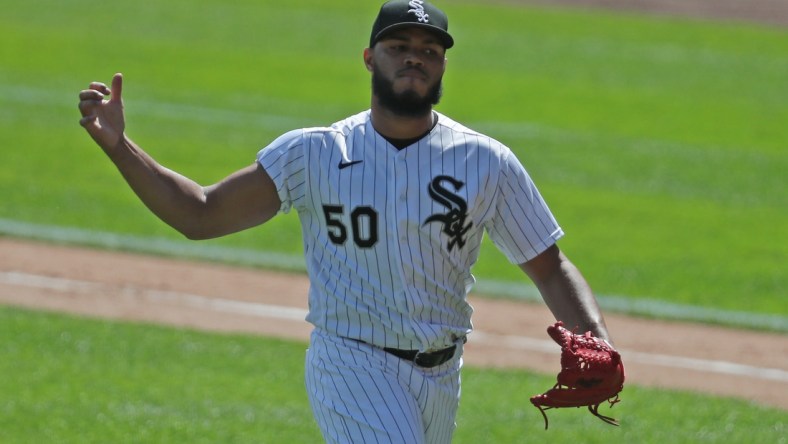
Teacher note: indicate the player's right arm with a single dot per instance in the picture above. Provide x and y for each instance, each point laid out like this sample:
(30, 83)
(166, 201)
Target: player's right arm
(242, 200)
(566, 292)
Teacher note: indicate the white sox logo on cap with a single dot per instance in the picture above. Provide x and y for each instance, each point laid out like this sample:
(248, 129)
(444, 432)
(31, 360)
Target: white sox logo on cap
(398, 14)
(417, 8)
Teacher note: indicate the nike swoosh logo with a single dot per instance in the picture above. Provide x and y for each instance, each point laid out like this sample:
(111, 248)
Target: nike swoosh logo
(343, 165)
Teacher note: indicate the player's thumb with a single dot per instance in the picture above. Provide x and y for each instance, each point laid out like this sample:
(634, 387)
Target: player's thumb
(117, 87)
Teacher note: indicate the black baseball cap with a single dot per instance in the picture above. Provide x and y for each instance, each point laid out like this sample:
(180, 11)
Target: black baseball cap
(397, 14)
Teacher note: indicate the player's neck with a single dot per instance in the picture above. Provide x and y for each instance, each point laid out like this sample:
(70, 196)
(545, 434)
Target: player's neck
(394, 126)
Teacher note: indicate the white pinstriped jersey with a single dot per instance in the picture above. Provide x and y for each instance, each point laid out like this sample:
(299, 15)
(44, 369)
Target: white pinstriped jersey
(390, 235)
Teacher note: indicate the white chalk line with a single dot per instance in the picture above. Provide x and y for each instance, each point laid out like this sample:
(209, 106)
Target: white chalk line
(207, 303)
(298, 314)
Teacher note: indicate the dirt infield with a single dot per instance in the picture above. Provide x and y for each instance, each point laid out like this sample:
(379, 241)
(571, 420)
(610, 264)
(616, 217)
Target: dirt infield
(720, 361)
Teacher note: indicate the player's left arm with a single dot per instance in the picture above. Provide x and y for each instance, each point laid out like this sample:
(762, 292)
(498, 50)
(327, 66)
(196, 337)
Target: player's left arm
(566, 292)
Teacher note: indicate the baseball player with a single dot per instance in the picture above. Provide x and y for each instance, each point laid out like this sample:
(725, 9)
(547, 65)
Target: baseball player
(393, 204)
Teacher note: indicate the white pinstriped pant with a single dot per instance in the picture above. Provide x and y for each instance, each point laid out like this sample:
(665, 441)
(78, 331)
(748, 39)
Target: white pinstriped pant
(361, 394)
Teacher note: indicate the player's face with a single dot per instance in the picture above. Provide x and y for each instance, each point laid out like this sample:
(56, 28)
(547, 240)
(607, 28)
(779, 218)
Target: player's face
(407, 70)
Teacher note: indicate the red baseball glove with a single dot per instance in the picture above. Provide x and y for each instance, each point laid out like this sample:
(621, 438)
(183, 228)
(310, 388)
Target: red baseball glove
(591, 373)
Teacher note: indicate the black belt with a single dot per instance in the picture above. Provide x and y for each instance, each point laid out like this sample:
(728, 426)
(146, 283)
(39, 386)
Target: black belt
(422, 359)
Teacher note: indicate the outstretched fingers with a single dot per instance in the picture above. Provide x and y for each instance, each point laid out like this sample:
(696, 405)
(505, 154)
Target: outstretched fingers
(92, 98)
(101, 108)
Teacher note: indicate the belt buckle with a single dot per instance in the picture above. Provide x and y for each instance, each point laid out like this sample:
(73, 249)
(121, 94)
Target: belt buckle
(434, 359)
(420, 360)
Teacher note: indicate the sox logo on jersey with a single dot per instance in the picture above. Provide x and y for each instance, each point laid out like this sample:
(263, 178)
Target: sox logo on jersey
(454, 220)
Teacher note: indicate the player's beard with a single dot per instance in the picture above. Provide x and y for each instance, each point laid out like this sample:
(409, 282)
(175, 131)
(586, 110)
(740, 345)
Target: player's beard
(407, 103)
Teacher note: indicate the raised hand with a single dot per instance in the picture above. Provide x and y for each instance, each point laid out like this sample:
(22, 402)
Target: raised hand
(103, 118)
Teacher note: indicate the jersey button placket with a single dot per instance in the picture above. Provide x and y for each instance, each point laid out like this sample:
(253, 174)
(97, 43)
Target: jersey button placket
(398, 184)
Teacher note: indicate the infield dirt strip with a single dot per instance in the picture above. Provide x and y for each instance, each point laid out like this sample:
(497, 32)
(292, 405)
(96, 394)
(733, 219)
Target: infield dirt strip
(744, 364)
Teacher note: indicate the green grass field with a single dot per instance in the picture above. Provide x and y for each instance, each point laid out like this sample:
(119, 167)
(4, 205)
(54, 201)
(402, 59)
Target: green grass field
(659, 143)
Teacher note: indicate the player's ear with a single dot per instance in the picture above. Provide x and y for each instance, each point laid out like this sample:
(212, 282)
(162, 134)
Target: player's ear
(368, 59)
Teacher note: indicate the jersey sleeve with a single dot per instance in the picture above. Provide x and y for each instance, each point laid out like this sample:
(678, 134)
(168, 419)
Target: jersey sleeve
(283, 160)
(522, 225)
